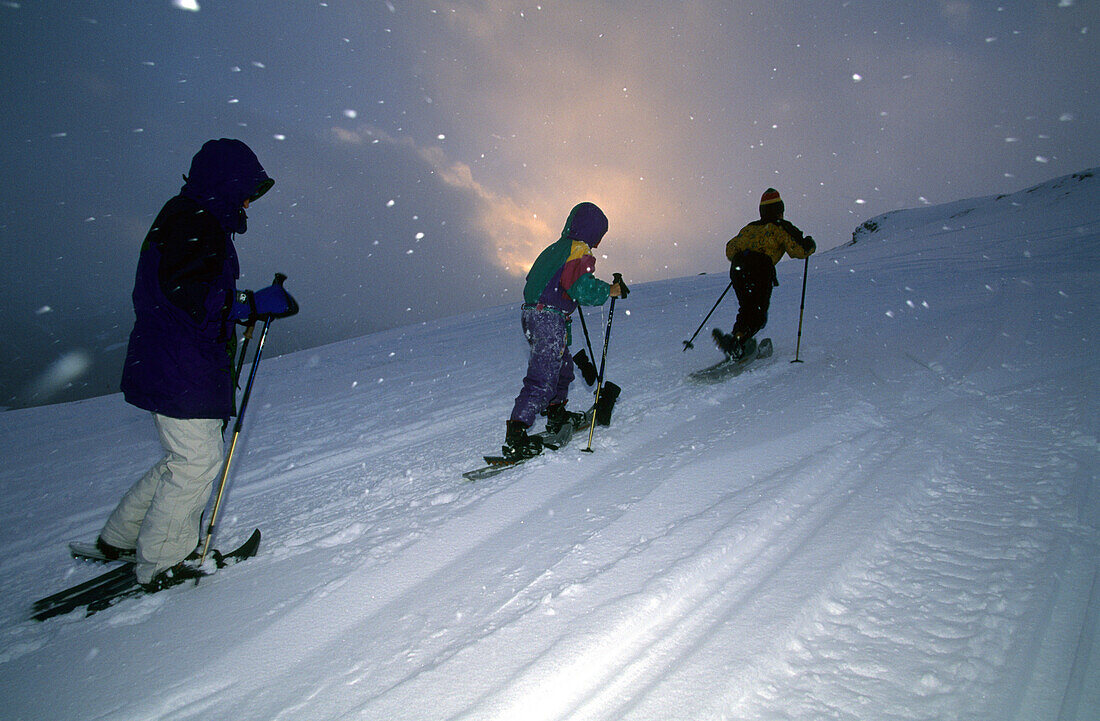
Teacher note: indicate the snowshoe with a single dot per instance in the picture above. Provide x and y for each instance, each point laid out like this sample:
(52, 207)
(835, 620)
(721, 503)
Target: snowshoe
(728, 366)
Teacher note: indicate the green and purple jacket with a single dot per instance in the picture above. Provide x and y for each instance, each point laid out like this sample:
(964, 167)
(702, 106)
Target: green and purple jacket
(561, 277)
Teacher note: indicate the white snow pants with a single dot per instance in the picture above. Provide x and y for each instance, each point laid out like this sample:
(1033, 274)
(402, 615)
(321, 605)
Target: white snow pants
(161, 513)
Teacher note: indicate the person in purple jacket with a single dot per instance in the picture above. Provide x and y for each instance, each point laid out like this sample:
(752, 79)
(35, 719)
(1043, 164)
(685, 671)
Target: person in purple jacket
(180, 356)
(560, 279)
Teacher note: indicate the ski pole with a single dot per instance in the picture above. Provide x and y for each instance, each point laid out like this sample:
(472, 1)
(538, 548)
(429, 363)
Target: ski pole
(588, 340)
(687, 343)
(248, 331)
(279, 278)
(581, 359)
(801, 308)
(618, 278)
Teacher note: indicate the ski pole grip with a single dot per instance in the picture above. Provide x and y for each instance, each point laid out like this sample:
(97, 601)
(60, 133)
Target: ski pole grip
(618, 278)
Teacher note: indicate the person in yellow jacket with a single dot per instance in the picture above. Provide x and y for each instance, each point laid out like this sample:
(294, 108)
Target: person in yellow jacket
(753, 254)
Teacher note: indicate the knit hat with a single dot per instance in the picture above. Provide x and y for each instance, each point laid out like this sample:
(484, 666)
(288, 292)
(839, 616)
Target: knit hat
(771, 205)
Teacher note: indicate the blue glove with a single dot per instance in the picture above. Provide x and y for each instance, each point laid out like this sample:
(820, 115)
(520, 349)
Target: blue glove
(266, 303)
(243, 309)
(274, 302)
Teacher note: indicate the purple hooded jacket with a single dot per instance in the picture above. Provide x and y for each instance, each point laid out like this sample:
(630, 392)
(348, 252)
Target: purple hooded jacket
(561, 278)
(179, 360)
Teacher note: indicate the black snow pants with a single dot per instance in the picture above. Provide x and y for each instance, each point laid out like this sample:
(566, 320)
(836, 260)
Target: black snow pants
(753, 276)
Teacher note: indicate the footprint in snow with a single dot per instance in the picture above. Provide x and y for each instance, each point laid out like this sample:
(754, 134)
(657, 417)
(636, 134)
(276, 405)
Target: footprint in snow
(342, 537)
(442, 498)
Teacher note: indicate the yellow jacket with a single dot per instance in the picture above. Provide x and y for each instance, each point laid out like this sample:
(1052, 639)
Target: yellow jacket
(773, 239)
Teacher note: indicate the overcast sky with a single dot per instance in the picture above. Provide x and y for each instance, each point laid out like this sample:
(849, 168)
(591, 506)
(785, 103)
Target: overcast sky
(424, 152)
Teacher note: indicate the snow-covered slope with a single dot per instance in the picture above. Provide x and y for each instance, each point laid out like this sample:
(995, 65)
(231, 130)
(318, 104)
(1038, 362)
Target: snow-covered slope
(904, 526)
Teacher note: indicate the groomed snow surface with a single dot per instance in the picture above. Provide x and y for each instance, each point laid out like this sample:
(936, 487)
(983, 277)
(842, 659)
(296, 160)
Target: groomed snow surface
(904, 526)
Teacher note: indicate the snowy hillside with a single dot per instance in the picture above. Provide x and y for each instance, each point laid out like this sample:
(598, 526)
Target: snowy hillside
(904, 526)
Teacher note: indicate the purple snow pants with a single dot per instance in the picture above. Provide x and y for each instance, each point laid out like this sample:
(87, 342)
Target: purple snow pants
(550, 369)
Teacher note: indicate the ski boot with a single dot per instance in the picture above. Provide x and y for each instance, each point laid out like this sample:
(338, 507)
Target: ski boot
(177, 574)
(748, 349)
(728, 344)
(557, 417)
(735, 348)
(114, 553)
(518, 444)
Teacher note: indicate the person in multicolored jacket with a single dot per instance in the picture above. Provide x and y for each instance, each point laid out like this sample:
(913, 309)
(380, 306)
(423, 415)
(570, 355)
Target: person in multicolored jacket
(560, 279)
(179, 360)
(753, 253)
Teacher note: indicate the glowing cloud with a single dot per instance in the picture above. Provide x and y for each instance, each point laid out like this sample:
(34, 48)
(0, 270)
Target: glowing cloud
(513, 232)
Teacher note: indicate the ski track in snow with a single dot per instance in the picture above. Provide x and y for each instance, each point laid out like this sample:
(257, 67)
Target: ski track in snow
(902, 527)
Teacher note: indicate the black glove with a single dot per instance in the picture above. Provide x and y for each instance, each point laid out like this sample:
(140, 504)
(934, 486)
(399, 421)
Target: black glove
(617, 279)
(586, 367)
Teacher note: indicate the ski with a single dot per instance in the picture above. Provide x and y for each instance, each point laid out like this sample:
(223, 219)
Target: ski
(494, 465)
(91, 585)
(553, 441)
(119, 583)
(242, 552)
(728, 367)
(90, 552)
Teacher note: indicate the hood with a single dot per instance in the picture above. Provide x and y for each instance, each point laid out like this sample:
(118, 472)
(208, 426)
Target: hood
(586, 223)
(224, 174)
